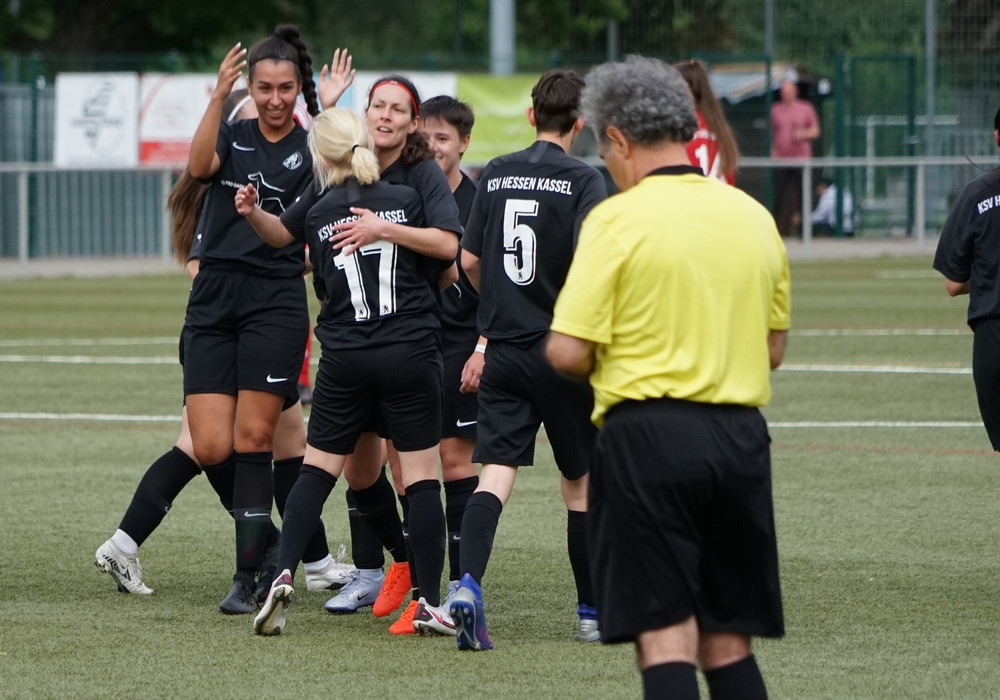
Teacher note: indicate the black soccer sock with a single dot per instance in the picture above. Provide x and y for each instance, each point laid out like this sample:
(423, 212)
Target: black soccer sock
(286, 471)
(366, 548)
(671, 681)
(157, 489)
(252, 497)
(222, 477)
(737, 681)
(404, 503)
(302, 511)
(579, 555)
(479, 527)
(456, 496)
(427, 537)
(377, 503)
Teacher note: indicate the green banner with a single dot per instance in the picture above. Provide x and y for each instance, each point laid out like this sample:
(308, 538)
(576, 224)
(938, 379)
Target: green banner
(501, 108)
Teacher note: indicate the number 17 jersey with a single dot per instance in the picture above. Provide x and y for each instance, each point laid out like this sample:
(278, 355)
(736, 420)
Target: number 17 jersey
(523, 227)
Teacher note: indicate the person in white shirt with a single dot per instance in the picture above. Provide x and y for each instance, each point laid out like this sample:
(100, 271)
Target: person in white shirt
(824, 216)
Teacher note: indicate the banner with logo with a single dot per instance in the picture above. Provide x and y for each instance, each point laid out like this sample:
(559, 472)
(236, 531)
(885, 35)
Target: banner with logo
(97, 120)
(169, 112)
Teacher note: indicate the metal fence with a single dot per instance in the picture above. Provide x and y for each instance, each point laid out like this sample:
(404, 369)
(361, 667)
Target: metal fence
(52, 212)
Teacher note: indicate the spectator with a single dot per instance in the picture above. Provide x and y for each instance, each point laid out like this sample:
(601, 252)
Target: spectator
(824, 216)
(794, 125)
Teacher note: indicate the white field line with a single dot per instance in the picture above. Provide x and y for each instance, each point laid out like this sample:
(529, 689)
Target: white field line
(85, 342)
(125, 418)
(875, 424)
(86, 360)
(879, 332)
(876, 369)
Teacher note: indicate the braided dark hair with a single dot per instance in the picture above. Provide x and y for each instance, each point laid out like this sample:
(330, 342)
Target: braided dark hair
(286, 45)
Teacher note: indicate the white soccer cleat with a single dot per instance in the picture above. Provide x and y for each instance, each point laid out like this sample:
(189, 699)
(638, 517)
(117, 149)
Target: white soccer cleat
(432, 620)
(333, 576)
(124, 569)
(273, 615)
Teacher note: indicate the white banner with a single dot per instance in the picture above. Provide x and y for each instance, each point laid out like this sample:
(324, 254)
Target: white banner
(171, 108)
(97, 120)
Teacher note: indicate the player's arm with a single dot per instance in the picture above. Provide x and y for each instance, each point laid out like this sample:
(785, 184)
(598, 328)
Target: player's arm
(448, 277)
(471, 264)
(267, 225)
(955, 288)
(369, 227)
(335, 78)
(571, 356)
(203, 161)
(776, 343)
(473, 368)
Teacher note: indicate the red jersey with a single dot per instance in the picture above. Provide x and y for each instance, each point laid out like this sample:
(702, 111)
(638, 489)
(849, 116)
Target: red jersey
(703, 152)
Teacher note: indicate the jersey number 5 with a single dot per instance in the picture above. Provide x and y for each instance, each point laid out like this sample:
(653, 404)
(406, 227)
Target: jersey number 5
(519, 241)
(351, 265)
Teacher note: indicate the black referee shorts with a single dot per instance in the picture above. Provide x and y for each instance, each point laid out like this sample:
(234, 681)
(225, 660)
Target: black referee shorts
(244, 332)
(460, 410)
(519, 390)
(681, 520)
(986, 375)
(396, 386)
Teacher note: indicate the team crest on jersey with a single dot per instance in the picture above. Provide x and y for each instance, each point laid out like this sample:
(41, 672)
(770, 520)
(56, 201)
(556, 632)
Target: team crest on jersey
(293, 161)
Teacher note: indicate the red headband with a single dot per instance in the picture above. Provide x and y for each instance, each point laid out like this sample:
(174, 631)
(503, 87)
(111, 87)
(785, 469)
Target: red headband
(389, 81)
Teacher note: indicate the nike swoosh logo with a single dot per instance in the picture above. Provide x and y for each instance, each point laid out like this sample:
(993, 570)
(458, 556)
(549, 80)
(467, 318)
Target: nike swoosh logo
(243, 148)
(248, 514)
(274, 380)
(463, 423)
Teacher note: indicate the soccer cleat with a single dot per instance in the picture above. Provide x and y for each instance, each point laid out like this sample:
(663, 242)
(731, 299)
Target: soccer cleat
(467, 614)
(268, 567)
(124, 569)
(240, 600)
(270, 621)
(333, 576)
(404, 625)
(356, 594)
(394, 589)
(587, 630)
(450, 595)
(430, 620)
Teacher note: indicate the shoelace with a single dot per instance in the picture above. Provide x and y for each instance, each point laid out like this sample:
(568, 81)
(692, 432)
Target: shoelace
(341, 553)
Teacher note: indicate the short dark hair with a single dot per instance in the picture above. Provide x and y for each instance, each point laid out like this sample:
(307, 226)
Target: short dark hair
(556, 100)
(450, 110)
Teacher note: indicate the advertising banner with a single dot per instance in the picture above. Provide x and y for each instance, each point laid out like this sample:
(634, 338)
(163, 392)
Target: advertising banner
(97, 117)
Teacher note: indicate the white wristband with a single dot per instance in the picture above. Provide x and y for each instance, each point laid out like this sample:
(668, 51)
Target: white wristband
(481, 347)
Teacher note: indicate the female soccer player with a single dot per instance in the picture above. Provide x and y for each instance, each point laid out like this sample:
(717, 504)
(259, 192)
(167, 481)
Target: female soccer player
(392, 116)
(247, 316)
(713, 148)
(381, 358)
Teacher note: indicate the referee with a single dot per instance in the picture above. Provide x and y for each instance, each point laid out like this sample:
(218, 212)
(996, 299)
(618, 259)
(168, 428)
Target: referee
(677, 307)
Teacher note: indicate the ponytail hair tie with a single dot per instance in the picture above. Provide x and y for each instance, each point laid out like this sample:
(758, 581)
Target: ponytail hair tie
(354, 147)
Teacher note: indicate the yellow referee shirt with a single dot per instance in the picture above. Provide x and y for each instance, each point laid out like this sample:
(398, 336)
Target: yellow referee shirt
(678, 280)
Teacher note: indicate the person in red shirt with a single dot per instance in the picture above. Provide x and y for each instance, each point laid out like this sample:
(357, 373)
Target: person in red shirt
(794, 126)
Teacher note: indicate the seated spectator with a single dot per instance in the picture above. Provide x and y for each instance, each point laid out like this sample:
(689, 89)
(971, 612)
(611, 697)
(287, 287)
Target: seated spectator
(824, 216)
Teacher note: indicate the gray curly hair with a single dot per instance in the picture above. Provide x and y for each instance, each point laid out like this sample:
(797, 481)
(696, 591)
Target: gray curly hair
(645, 98)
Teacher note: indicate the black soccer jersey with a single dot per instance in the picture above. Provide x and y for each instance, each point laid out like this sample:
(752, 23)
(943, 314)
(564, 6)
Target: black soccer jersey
(379, 293)
(280, 172)
(969, 247)
(523, 227)
(460, 302)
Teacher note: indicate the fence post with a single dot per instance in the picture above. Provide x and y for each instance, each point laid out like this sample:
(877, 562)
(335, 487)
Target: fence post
(165, 223)
(807, 187)
(921, 214)
(22, 217)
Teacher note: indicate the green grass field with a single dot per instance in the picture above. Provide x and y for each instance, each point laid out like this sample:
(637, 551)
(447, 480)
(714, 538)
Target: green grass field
(885, 490)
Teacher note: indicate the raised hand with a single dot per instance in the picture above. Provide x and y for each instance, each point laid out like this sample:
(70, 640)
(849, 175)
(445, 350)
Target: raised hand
(230, 70)
(335, 78)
